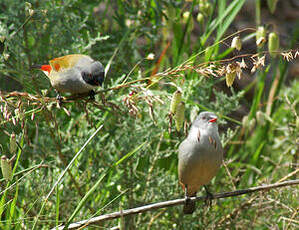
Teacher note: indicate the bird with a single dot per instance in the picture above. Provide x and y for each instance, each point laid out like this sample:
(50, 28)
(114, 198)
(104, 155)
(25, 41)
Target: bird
(74, 73)
(200, 156)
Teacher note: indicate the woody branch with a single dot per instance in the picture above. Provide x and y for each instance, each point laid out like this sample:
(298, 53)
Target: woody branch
(99, 219)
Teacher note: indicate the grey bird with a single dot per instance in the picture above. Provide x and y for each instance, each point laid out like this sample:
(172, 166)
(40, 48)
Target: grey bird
(200, 157)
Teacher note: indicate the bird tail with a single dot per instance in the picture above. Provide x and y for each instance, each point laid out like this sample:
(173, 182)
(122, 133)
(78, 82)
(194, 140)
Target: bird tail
(189, 206)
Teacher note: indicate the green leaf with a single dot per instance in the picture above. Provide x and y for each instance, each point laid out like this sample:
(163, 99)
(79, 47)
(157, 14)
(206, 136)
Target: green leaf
(224, 20)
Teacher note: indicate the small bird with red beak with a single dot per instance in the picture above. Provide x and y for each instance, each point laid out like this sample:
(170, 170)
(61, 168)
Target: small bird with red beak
(75, 74)
(200, 157)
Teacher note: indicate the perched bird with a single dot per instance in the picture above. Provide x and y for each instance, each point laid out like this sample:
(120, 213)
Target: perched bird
(200, 157)
(75, 74)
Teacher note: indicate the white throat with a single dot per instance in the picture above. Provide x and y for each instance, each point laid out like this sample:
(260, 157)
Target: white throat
(209, 130)
(46, 72)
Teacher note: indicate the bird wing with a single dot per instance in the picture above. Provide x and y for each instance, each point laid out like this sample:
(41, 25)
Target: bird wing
(94, 75)
(64, 62)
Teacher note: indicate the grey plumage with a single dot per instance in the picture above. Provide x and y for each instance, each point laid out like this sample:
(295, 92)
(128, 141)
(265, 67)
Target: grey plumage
(95, 75)
(200, 156)
(85, 75)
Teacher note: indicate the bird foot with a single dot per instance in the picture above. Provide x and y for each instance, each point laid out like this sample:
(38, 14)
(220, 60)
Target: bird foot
(59, 99)
(92, 95)
(208, 200)
(209, 197)
(187, 199)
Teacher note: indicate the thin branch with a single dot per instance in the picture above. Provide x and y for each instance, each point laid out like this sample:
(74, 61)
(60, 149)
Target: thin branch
(99, 219)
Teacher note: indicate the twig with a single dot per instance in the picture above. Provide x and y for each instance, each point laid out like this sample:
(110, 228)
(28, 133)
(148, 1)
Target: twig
(229, 175)
(289, 175)
(291, 219)
(170, 203)
(236, 211)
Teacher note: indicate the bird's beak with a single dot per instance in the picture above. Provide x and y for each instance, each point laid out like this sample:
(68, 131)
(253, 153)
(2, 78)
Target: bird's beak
(213, 119)
(36, 67)
(45, 68)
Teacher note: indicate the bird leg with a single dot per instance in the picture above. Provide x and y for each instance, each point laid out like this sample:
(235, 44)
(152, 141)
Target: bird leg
(189, 205)
(91, 94)
(187, 198)
(209, 196)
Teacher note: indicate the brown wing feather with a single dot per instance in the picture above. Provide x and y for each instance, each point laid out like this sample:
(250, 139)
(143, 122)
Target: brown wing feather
(213, 142)
(198, 135)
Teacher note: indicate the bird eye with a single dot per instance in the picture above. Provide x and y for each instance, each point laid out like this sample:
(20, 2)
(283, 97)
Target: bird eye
(204, 118)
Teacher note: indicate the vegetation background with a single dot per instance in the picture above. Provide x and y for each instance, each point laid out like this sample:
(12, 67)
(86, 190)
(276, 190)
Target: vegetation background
(126, 145)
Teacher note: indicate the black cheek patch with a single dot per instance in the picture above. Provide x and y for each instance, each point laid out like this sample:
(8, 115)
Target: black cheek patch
(93, 79)
(100, 78)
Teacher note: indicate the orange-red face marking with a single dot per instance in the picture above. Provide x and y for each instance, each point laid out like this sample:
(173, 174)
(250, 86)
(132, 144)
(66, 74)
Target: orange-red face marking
(57, 66)
(46, 68)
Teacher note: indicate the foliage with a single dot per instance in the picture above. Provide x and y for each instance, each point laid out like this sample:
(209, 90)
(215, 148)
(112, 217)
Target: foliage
(131, 159)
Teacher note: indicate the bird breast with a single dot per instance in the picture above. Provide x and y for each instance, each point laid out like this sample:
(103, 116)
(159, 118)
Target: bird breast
(199, 160)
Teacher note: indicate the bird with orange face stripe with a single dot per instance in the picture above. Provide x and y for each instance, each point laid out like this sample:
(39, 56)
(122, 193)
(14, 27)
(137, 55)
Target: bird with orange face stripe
(75, 74)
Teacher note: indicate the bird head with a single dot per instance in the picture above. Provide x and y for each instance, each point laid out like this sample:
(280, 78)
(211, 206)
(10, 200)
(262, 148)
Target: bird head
(63, 63)
(45, 68)
(205, 120)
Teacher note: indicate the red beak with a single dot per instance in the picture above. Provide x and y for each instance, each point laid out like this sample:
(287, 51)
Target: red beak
(213, 120)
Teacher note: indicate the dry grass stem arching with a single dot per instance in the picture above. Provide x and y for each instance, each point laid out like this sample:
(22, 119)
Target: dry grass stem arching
(226, 68)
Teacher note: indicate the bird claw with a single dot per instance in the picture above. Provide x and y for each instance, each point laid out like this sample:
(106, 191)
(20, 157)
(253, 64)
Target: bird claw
(209, 197)
(59, 99)
(208, 201)
(187, 199)
(92, 95)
